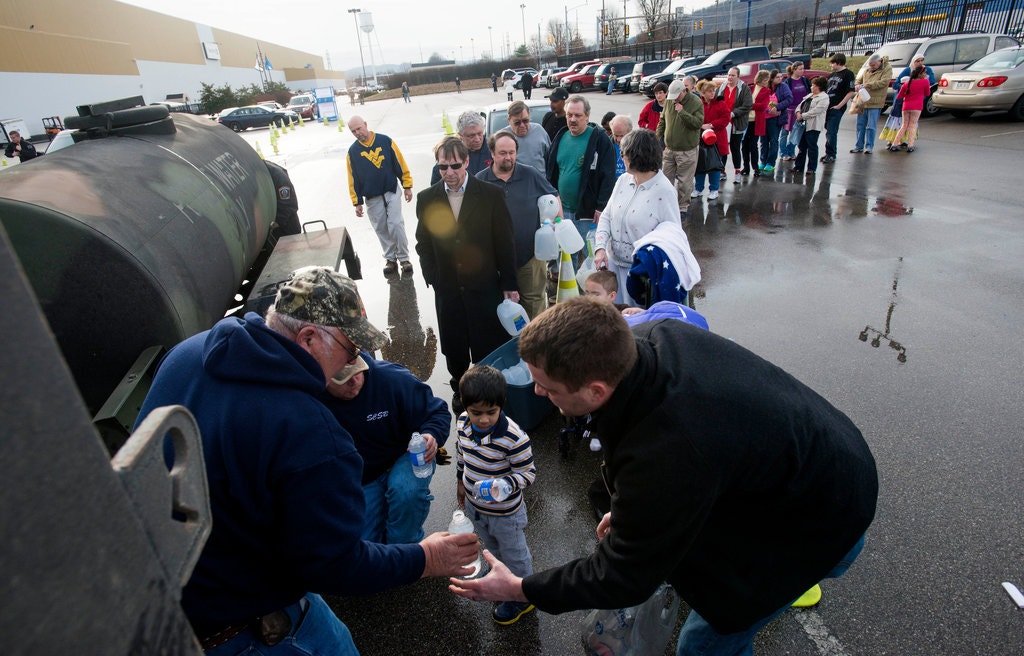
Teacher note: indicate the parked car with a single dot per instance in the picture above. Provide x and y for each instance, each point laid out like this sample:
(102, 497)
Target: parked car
(271, 105)
(749, 70)
(622, 69)
(516, 75)
(556, 79)
(496, 116)
(993, 83)
(647, 83)
(254, 116)
(640, 69)
(720, 62)
(579, 81)
(944, 53)
(303, 105)
(542, 77)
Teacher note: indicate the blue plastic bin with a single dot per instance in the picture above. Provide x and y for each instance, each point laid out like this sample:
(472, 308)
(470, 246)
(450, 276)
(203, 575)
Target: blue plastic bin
(521, 404)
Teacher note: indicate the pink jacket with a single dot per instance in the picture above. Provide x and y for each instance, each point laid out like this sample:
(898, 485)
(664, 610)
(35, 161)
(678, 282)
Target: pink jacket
(914, 92)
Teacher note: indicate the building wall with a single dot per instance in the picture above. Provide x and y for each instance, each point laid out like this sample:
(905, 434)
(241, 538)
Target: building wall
(58, 54)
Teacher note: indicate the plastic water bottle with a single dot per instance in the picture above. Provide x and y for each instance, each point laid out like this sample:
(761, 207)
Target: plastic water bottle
(493, 489)
(545, 246)
(547, 206)
(418, 455)
(568, 236)
(462, 524)
(512, 316)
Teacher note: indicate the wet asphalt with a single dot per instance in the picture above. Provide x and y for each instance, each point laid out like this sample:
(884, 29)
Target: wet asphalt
(889, 283)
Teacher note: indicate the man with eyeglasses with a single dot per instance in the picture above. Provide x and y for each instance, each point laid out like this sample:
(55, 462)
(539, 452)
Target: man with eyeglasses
(467, 254)
(376, 169)
(284, 476)
(533, 139)
(470, 127)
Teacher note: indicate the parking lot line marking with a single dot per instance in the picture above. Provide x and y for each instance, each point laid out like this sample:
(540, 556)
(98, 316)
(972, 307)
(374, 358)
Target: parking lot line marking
(1002, 134)
(826, 643)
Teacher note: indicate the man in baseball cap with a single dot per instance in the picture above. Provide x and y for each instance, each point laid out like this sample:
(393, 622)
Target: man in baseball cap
(284, 476)
(554, 120)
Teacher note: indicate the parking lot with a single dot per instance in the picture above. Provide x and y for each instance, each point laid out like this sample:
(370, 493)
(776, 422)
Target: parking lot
(833, 278)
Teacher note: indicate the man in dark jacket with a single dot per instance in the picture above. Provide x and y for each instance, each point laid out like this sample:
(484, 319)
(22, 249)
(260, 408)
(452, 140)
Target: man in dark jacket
(581, 165)
(283, 476)
(729, 478)
(467, 254)
(381, 404)
(20, 147)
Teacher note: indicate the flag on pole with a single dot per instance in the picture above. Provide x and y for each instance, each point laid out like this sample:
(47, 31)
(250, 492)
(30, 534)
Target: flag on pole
(259, 62)
(267, 65)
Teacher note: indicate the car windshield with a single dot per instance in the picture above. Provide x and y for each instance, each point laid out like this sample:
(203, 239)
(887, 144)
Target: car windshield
(299, 100)
(1000, 60)
(717, 58)
(899, 54)
(674, 66)
(498, 120)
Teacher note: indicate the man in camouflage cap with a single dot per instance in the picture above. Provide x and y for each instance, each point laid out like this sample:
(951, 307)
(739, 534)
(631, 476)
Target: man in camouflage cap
(284, 476)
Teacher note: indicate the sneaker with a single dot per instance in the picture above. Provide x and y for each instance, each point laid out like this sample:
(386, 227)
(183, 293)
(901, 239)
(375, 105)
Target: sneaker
(713, 195)
(406, 267)
(738, 171)
(595, 444)
(696, 194)
(809, 598)
(509, 612)
(828, 159)
(855, 150)
(867, 152)
(796, 170)
(390, 268)
(768, 168)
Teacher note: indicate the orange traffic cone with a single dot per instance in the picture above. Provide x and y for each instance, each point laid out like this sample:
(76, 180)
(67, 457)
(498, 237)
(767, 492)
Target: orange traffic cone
(567, 286)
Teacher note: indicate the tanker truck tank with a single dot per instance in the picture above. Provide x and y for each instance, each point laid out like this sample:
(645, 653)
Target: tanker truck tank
(138, 239)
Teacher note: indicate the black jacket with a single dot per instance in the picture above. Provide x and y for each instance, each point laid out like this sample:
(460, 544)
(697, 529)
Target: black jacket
(729, 478)
(597, 179)
(477, 252)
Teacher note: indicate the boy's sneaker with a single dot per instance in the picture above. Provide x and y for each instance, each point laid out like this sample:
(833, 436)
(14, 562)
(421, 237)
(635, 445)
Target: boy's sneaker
(509, 612)
(713, 195)
(696, 194)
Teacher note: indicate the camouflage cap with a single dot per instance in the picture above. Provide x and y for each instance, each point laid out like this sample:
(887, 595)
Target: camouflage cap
(324, 297)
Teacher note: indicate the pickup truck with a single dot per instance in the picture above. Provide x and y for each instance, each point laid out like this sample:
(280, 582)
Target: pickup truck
(863, 44)
(579, 81)
(749, 71)
(555, 80)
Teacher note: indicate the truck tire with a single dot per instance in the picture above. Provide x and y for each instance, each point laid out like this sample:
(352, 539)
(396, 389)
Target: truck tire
(576, 87)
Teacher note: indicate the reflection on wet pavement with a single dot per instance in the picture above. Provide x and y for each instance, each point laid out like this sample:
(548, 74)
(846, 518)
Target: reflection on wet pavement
(409, 344)
(876, 341)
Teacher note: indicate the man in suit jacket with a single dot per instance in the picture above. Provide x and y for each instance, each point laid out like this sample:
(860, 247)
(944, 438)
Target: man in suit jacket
(467, 254)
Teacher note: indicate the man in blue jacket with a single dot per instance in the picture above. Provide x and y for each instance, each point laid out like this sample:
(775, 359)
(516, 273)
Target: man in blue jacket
(284, 477)
(381, 404)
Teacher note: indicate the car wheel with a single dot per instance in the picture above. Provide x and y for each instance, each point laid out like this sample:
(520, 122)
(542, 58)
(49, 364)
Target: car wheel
(1017, 111)
(235, 126)
(930, 109)
(576, 87)
(962, 113)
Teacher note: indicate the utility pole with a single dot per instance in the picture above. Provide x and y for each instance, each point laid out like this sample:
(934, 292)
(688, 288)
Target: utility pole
(359, 40)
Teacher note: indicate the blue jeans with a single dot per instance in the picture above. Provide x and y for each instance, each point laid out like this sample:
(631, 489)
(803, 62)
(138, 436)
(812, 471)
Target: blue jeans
(315, 630)
(611, 87)
(867, 124)
(504, 537)
(714, 179)
(784, 148)
(795, 135)
(770, 143)
(697, 638)
(832, 119)
(397, 504)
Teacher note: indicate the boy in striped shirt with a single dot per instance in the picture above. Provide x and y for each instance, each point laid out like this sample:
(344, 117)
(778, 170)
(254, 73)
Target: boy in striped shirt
(491, 446)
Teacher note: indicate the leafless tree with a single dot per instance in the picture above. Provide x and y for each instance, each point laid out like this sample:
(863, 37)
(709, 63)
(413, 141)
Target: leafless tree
(615, 36)
(653, 14)
(556, 36)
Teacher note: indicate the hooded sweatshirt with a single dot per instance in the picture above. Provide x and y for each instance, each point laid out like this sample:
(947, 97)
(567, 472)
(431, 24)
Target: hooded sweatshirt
(284, 478)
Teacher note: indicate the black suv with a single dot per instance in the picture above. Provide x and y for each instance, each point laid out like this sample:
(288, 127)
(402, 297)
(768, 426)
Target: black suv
(648, 81)
(720, 62)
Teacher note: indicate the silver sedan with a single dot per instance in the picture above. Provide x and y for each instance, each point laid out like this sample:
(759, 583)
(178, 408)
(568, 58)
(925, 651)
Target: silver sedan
(993, 83)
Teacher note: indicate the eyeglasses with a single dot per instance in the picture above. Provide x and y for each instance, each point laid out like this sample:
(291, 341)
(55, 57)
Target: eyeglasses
(454, 166)
(353, 355)
(520, 121)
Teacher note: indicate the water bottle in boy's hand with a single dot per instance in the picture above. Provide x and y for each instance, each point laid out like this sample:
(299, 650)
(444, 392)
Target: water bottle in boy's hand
(493, 489)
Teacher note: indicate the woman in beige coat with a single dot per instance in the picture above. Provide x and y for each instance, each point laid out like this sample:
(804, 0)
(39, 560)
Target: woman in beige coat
(812, 113)
(874, 78)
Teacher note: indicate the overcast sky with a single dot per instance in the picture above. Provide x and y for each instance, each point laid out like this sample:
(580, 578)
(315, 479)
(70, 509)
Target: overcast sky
(404, 30)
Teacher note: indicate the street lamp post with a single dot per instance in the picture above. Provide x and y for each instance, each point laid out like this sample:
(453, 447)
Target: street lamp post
(522, 11)
(472, 49)
(567, 8)
(490, 36)
(359, 40)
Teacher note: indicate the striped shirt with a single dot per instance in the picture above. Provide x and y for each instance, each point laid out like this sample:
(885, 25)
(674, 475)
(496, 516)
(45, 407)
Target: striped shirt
(504, 452)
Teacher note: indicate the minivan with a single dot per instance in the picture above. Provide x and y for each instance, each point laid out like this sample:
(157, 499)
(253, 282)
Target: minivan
(640, 69)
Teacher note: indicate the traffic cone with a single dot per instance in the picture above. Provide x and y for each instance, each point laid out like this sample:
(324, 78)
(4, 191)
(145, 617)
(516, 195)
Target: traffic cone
(259, 151)
(448, 131)
(444, 120)
(273, 144)
(567, 286)
(340, 123)
(5, 161)
(325, 121)
(301, 124)
(291, 125)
